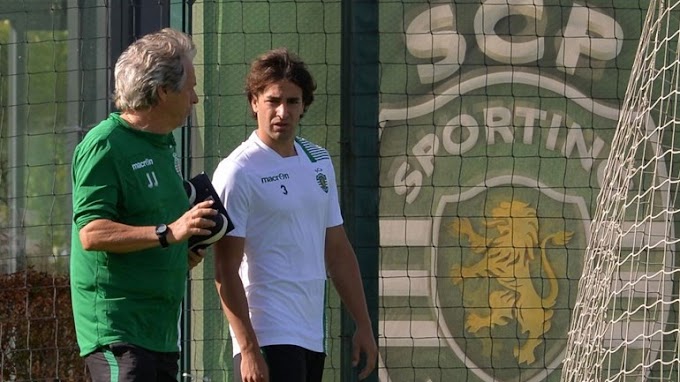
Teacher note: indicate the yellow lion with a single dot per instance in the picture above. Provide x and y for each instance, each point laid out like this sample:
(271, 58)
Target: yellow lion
(506, 260)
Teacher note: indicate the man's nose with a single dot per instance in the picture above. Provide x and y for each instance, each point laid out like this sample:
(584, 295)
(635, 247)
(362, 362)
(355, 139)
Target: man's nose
(282, 110)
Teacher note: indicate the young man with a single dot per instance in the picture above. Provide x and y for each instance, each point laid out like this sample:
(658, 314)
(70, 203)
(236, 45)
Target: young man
(270, 271)
(131, 218)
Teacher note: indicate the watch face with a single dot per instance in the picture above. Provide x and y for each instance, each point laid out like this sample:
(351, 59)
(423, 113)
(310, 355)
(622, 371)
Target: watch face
(162, 232)
(161, 229)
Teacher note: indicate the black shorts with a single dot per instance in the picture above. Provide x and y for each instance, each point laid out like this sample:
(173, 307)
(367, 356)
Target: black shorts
(288, 363)
(123, 362)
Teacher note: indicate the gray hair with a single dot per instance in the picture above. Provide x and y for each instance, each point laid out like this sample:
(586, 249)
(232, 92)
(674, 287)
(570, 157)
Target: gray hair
(155, 60)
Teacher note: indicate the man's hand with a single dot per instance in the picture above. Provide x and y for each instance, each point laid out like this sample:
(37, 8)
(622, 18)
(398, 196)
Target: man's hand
(196, 221)
(363, 342)
(195, 257)
(254, 367)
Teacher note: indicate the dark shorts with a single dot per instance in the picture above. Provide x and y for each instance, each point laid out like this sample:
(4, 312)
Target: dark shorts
(123, 362)
(288, 363)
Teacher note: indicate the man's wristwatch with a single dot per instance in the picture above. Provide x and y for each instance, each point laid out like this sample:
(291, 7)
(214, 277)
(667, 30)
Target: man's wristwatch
(162, 233)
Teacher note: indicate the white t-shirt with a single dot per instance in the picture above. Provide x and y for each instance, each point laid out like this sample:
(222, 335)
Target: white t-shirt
(282, 207)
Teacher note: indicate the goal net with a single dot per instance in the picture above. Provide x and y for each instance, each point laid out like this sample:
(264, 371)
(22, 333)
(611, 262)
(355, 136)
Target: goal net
(625, 322)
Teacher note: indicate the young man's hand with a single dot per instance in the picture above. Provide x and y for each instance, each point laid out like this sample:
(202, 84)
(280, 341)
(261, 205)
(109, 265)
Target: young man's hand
(195, 257)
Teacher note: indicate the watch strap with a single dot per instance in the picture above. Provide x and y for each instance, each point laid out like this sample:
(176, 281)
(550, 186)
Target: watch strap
(162, 233)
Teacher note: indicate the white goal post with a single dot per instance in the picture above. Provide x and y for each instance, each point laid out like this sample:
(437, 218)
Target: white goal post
(626, 321)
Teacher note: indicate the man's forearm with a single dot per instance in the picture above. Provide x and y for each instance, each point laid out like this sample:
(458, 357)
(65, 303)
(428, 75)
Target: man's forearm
(346, 278)
(110, 236)
(235, 307)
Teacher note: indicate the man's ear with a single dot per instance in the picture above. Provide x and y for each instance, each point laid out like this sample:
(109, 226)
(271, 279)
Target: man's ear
(253, 105)
(162, 93)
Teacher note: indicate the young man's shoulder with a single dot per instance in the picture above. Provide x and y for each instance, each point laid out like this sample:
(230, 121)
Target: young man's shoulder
(240, 162)
(312, 151)
(243, 153)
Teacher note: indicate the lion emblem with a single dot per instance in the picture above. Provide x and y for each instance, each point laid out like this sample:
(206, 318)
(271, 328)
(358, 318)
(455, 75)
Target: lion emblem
(505, 261)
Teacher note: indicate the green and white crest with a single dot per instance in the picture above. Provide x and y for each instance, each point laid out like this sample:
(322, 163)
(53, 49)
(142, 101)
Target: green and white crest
(490, 175)
(322, 181)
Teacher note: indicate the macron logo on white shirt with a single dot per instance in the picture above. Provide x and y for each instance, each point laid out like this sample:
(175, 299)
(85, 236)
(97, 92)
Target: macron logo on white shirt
(274, 178)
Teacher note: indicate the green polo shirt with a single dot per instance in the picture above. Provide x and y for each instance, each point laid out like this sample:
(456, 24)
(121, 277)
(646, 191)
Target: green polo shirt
(131, 177)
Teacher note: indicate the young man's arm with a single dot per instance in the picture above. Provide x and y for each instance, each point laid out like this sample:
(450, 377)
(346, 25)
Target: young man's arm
(228, 256)
(343, 270)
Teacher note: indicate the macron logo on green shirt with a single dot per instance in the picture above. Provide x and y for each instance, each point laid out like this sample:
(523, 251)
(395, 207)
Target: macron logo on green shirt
(142, 164)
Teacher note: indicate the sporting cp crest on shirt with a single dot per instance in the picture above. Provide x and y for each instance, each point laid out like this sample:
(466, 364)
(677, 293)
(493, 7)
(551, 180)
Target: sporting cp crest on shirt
(322, 180)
